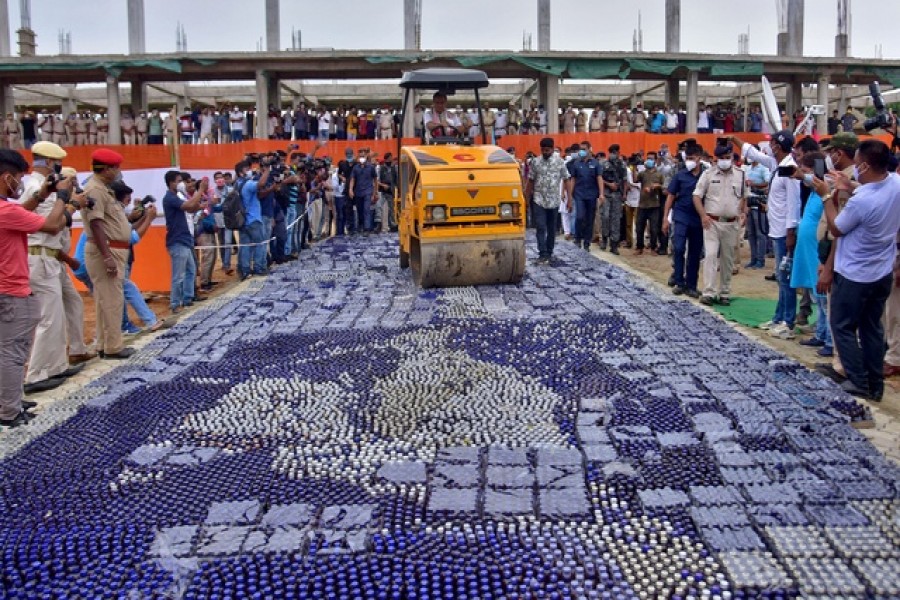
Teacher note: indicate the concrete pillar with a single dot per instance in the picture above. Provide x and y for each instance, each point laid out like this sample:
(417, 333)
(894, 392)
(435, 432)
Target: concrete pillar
(544, 27)
(693, 83)
(409, 122)
(5, 47)
(822, 93)
(138, 96)
(673, 25)
(842, 102)
(113, 110)
(262, 104)
(6, 99)
(136, 35)
(274, 93)
(795, 28)
(409, 25)
(549, 96)
(273, 26)
(782, 44)
(841, 45)
(672, 92)
(794, 99)
(746, 112)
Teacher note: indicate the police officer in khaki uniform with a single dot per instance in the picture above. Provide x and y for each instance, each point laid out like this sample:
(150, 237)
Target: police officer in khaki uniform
(140, 124)
(720, 199)
(48, 365)
(102, 129)
(58, 129)
(108, 240)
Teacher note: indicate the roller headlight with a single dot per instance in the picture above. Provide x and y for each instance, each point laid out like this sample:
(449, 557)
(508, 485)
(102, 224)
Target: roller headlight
(438, 213)
(506, 211)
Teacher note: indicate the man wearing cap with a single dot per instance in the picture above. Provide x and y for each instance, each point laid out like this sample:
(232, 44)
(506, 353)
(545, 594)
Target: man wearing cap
(48, 365)
(783, 216)
(546, 176)
(720, 199)
(108, 242)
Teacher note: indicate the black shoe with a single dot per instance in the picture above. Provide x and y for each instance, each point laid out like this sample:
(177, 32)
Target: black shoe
(707, 300)
(854, 390)
(671, 281)
(20, 419)
(772, 277)
(73, 370)
(122, 354)
(693, 293)
(199, 299)
(42, 386)
(677, 290)
(828, 371)
(812, 343)
(724, 301)
(28, 404)
(614, 250)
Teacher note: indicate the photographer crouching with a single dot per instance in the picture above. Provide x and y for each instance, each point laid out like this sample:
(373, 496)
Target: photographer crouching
(20, 310)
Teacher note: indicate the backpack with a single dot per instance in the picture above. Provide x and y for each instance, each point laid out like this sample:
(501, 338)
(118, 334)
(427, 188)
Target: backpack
(233, 208)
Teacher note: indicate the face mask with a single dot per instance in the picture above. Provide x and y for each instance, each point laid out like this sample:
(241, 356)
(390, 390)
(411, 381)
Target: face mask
(724, 164)
(808, 179)
(855, 173)
(690, 165)
(613, 156)
(582, 153)
(182, 187)
(555, 153)
(15, 192)
(829, 164)
(362, 159)
(649, 163)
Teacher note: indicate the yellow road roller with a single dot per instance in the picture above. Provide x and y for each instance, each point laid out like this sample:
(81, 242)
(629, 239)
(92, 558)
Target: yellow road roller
(459, 206)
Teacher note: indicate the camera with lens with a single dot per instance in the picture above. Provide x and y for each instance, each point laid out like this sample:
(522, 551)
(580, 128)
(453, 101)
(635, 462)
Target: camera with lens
(53, 180)
(147, 201)
(882, 118)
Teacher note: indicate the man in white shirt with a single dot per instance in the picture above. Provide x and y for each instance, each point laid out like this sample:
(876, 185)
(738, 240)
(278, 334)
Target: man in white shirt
(440, 122)
(324, 124)
(783, 215)
(236, 120)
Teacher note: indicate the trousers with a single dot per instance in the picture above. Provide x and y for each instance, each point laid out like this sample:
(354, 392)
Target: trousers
(687, 239)
(184, 274)
(207, 256)
(756, 238)
(611, 218)
(19, 318)
(718, 245)
(48, 352)
(856, 328)
(73, 305)
(109, 297)
(584, 220)
(545, 228)
(645, 217)
(892, 323)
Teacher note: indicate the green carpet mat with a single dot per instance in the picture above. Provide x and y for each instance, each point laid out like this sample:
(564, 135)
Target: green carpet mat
(751, 311)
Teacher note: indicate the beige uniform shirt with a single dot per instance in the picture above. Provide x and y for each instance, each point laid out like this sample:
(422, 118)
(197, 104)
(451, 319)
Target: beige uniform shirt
(141, 124)
(47, 240)
(107, 209)
(722, 191)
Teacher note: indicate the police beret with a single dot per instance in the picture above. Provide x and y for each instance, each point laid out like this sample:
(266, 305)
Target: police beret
(723, 151)
(105, 156)
(48, 150)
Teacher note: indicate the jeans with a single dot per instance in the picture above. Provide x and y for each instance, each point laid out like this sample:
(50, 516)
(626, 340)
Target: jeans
(756, 238)
(292, 230)
(226, 238)
(362, 203)
(279, 232)
(184, 274)
(823, 329)
(340, 214)
(687, 238)
(369, 212)
(585, 210)
(252, 233)
(786, 309)
(645, 217)
(545, 226)
(856, 310)
(135, 299)
(237, 136)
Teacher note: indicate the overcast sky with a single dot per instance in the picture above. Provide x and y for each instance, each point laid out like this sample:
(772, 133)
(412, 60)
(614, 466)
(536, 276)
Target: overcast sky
(100, 26)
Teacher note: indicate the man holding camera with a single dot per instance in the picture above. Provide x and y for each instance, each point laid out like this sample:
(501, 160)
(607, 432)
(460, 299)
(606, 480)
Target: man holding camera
(108, 242)
(20, 310)
(48, 366)
(179, 205)
(783, 216)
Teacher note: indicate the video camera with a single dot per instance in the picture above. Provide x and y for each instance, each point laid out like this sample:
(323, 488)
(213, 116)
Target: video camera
(882, 118)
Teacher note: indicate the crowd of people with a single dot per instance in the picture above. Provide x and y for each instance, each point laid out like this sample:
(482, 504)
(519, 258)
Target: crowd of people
(225, 124)
(827, 212)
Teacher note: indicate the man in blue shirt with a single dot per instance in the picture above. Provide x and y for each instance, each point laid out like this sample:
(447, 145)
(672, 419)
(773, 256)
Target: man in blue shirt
(688, 234)
(180, 238)
(362, 191)
(866, 233)
(587, 192)
(252, 238)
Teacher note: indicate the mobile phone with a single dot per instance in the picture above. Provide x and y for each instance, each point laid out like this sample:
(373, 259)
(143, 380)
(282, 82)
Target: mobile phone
(786, 171)
(819, 168)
